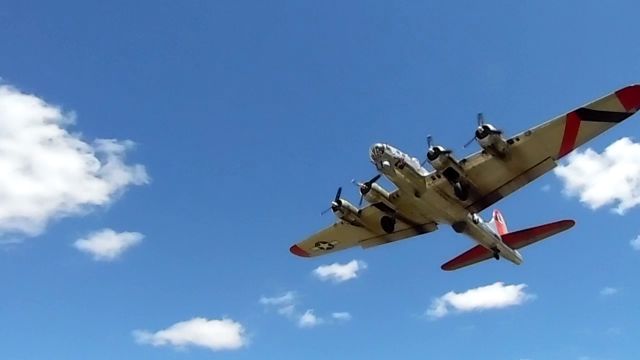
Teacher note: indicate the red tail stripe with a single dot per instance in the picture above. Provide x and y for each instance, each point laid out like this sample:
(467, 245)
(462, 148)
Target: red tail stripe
(498, 219)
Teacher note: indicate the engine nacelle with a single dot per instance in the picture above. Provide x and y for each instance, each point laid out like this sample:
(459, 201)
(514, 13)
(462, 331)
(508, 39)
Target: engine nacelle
(346, 211)
(376, 194)
(440, 158)
(491, 140)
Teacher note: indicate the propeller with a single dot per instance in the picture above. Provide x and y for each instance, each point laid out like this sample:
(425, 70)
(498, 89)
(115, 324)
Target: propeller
(429, 147)
(434, 151)
(365, 187)
(336, 203)
(480, 118)
(482, 131)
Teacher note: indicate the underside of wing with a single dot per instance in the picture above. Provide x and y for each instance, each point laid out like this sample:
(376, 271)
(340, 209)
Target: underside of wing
(371, 231)
(534, 152)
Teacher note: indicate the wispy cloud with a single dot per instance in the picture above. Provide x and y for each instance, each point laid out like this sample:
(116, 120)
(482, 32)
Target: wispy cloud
(635, 243)
(106, 244)
(610, 178)
(342, 316)
(49, 172)
(494, 296)
(285, 299)
(337, 272)
(309, 319)
(286, 305)
(224, 334)
(608, 291)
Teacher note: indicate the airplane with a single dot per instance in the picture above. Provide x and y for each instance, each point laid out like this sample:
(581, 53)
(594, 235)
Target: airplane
(455, 191)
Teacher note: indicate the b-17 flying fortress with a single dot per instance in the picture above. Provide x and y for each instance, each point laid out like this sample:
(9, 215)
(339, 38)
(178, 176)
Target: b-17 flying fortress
(455, 191)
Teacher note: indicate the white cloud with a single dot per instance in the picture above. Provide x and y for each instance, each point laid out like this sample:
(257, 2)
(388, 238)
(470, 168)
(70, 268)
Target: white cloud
(341, 316)
(309, 319)
(340, 272)
(609, 178)
(284, 299)
(635, 243)
(48, 172)
(494, 296)
(106, 244)
(608, 291)
(224, 334)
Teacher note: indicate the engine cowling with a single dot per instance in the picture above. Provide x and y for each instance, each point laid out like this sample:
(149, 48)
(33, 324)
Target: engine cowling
(440, 158)
(491, 140)
(344, 210)
(375, 193)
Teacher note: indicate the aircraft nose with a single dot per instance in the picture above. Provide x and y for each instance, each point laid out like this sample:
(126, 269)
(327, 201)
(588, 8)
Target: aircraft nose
(376, 151)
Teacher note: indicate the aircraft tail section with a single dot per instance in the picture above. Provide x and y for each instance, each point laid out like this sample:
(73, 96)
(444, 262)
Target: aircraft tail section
(498, 223)
(521, 238)
(512, 241)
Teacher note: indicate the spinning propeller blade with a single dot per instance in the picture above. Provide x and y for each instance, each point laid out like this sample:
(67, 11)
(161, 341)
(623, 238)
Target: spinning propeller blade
(429, 145)
(480, 121)
(336, 203)
(365, 187)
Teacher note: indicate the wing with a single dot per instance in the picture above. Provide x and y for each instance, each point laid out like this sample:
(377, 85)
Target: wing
(343, 235)
(535, 151)
(515, 240)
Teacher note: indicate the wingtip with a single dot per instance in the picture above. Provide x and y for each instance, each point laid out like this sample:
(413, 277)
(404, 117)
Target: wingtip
(297, 250)
(444, 267)
(630, 97)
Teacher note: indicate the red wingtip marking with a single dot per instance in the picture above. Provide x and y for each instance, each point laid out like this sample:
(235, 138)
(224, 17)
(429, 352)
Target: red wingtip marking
(571, 127)
(296, 250)
(630, 97)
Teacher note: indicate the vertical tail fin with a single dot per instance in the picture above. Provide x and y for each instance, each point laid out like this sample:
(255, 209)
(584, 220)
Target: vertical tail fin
(498, 222)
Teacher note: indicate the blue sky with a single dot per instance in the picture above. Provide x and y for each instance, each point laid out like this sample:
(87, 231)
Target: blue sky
(243, 118)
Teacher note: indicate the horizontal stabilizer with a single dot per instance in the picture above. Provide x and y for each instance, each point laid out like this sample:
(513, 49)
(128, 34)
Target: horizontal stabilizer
(521, 238)
(515, 240)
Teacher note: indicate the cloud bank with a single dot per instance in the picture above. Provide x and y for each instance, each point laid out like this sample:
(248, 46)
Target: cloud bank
(49, 172)
(610, 178)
